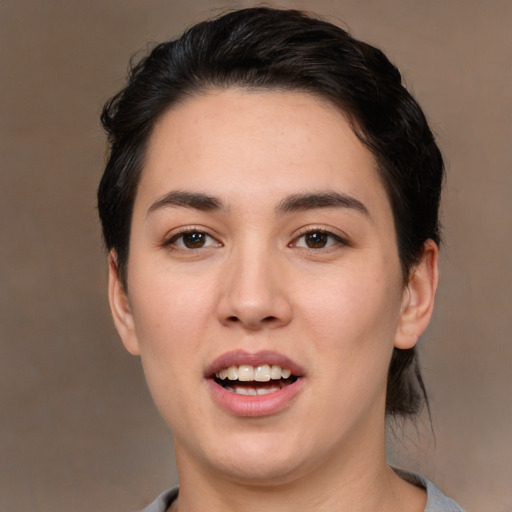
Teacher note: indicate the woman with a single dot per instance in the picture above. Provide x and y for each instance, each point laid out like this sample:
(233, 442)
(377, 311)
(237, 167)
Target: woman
(270, 207)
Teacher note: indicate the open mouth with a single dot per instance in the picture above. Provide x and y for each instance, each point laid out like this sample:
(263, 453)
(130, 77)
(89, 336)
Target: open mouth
(254, 380)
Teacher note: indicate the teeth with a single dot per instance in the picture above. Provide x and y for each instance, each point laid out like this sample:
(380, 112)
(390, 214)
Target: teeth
(232, 373)
(275, 372)
(241, 390)
(245, 373)
(248, 373)
(266, 391)
(262, 373)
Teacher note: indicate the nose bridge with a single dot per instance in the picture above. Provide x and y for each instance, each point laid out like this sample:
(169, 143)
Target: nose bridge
(254, 291)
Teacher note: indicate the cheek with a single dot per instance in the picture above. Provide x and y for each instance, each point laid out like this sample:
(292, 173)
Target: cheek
(171, 321)
(353, 304)
(352, 322)
(352, 328)
(169, 307)
(171, 317)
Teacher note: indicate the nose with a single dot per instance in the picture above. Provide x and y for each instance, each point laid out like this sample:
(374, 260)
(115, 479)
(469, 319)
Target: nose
(254, 292)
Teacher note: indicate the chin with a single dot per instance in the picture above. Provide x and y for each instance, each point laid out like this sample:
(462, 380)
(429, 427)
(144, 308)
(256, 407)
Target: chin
(261, 462)
(262, 473)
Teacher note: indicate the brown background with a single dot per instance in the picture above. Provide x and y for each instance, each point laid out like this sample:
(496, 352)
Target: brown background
(78, 429)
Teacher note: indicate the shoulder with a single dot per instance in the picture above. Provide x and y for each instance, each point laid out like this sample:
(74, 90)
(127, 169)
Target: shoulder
(436, 500)
(163, 502)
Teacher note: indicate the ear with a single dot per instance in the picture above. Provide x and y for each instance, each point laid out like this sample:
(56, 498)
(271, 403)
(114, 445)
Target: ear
(120, 307)
(418, 298)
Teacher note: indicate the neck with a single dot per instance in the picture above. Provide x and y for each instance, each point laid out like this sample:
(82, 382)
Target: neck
(357, 481)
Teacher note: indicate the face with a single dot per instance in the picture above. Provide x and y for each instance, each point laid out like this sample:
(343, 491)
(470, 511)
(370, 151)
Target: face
(264, 287)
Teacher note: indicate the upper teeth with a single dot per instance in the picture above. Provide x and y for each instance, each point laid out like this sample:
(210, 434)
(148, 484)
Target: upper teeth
(261, 373)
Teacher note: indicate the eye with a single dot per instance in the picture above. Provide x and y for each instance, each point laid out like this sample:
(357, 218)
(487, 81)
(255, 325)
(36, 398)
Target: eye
(318, 239)
(193, 239)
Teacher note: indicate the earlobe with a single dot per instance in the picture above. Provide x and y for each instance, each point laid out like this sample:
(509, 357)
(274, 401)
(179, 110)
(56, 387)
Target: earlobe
(418, 298)
(120, 307)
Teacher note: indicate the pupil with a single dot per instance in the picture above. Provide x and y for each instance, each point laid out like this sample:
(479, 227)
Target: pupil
(316, 240)
(194, 240)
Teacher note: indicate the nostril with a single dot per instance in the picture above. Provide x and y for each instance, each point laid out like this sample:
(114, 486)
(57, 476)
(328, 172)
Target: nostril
(268, 320)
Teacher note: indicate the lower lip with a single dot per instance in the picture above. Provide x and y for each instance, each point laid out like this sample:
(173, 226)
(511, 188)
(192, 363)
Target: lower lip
(254, 406)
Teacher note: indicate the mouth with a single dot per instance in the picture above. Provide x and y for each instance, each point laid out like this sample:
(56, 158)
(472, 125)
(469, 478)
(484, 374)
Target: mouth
(254, 384)
(257, 380)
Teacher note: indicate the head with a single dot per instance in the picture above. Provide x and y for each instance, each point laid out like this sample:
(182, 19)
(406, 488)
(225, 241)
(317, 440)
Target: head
(263, 49)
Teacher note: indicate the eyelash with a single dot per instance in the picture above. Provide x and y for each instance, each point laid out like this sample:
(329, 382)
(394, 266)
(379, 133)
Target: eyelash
(171, 241)
(336, 239)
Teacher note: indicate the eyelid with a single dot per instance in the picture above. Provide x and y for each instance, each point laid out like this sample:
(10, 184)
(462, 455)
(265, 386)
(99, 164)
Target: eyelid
(341, 239)
(171, 237)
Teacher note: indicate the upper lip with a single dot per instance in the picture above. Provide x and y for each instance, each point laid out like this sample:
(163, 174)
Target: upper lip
(240, 357)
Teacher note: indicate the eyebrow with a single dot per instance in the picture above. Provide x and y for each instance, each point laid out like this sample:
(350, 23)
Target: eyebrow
(290, 204)
(195, 200)
(329, 199)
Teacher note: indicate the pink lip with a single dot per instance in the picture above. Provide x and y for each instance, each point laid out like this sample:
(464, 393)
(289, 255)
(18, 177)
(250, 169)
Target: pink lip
(259, 405)
(239, 357)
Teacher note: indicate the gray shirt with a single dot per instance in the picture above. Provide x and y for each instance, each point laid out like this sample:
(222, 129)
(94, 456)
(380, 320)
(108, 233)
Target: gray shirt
(436, 500)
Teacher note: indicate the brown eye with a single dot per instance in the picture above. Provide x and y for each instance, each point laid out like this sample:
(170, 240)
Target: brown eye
(316, 239)
(192, 240)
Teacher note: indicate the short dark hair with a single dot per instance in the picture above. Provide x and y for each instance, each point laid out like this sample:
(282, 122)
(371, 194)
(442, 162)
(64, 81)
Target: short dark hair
(272, 49)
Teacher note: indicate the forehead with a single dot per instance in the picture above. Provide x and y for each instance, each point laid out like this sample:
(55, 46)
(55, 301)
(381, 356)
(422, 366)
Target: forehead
(238, 141)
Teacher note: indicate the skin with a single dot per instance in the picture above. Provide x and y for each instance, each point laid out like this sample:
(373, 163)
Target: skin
(255, 284)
